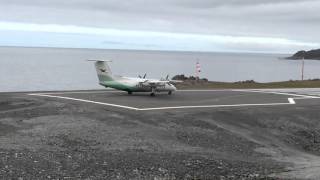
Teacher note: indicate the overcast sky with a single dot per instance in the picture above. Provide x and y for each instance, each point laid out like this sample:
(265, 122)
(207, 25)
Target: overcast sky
(278, 26)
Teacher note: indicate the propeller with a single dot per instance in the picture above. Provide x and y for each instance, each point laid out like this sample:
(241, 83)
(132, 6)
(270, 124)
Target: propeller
(165, 79)
(144, 76)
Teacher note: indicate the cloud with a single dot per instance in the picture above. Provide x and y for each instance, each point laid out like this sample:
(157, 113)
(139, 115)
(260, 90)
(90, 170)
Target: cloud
(293, 20)
(130, 39)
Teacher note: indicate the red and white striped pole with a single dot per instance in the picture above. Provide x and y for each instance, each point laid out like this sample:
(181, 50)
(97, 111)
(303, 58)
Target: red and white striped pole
(198, 70)
(302, 69)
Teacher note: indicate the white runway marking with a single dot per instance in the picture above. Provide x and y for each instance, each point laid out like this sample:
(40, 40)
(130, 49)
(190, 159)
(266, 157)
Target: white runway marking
(77, 92)
(109, 91)
(291, 100)
(215, 106)
(266, 91)
(279, 93)
(84, 100)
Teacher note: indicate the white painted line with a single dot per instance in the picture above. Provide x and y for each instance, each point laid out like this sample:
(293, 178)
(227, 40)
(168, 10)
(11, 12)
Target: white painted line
(88, 101)
(279, 93)
(214, 106)
(291, 101)
(77, 92)
(289, 89)
(271, 91)
(307, 98)
(194, 90)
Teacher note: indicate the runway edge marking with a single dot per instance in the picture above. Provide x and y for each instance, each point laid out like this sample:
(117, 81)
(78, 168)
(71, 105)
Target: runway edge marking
(84, 100)
(291, 102)
(279, 93)
(216, 106)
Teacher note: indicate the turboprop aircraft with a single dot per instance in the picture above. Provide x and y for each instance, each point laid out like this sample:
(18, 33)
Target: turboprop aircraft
(129, 84)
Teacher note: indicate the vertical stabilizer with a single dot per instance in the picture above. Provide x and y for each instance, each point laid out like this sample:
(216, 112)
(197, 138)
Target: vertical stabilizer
(103, 70)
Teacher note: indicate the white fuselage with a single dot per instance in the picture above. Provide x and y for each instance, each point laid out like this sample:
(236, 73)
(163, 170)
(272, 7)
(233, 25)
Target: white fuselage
(139, 85)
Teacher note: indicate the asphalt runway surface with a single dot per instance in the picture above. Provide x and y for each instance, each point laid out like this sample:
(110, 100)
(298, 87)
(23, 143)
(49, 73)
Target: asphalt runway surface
(187, 99)
(195, 134)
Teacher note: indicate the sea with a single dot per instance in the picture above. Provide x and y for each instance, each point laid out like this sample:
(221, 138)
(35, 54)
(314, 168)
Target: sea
(51, 69)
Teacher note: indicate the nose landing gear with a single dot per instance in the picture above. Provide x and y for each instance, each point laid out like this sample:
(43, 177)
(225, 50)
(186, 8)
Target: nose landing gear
(153, 92)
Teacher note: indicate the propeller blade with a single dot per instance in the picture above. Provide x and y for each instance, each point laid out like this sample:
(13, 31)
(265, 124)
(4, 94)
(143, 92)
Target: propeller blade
(167, 78)
(139, 76)
(145, 75)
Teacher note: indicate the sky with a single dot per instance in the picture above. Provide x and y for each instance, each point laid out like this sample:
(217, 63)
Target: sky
(267, 26)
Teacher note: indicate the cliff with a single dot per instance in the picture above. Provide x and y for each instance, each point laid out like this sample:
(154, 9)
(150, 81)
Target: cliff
(312, 54)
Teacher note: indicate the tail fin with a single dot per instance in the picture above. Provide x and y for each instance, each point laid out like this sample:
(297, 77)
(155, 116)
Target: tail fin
(103, 70)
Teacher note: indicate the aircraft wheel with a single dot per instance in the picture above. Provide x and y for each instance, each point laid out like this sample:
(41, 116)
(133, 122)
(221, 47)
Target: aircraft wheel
(170, 92)
(152, 94)
(129, 92)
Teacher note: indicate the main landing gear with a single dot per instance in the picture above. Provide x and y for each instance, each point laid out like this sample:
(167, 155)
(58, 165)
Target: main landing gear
(130, 92)
(153, 92)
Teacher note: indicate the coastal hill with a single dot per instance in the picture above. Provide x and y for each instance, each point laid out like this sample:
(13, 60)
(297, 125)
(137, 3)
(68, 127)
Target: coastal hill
(192, 82)
(312, 54)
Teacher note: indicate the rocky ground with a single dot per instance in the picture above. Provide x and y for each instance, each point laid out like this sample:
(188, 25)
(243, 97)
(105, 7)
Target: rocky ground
(42, 138)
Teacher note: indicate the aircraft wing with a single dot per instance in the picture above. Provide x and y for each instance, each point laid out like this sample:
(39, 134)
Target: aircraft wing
(176, 81)
(155, 83)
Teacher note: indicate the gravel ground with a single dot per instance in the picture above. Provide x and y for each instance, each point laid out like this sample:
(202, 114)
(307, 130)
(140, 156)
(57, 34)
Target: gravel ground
(43, 138)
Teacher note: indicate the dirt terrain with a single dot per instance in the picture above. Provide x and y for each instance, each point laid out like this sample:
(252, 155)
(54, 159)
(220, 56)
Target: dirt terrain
(45, 138)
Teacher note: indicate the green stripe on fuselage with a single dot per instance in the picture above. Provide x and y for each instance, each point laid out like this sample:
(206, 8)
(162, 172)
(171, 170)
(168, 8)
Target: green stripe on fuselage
(121, 86)
(104, 78)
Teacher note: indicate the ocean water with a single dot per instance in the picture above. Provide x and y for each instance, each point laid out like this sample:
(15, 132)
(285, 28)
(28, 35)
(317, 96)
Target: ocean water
(41, 69)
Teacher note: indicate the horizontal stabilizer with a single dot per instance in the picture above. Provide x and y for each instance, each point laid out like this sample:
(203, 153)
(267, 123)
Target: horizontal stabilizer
(99, 60)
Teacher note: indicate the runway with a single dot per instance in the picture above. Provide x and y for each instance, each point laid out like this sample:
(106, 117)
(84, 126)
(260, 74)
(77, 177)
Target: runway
(205, 134)
(181, 99)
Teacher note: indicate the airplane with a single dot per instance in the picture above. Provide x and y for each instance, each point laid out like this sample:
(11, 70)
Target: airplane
(130, 84)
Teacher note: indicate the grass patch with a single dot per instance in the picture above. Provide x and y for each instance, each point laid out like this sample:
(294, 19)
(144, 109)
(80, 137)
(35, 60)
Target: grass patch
(193, 84)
